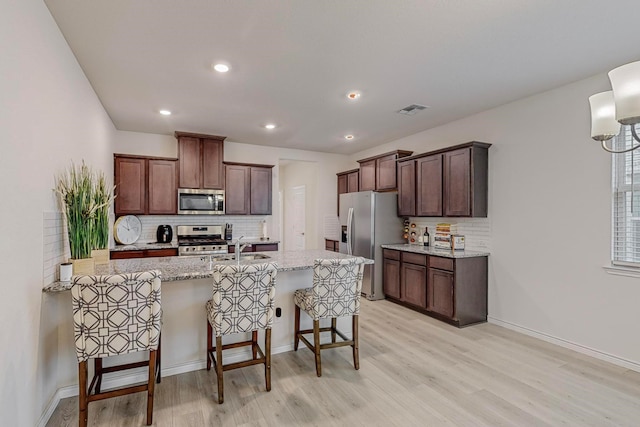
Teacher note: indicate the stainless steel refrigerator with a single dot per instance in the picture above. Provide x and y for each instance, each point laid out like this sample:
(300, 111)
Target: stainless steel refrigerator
(368, 220)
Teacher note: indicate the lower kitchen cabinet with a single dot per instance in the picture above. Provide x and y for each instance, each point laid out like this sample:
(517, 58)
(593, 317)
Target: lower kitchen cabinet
(450, 289)
(143, 253)
(332, 245)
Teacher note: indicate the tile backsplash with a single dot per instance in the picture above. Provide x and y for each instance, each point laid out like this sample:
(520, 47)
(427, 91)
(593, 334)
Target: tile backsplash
(477, 231)
(56, 247)
(248, 226)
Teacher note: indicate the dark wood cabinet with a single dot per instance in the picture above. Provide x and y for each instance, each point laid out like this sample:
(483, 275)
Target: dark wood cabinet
(450, 182)
(379, 173)
(452, 290)
(162, 186)
(332, 245)
(391, 273)
(145, 185)
(260, 191)
(200, 158)
(413, 279)
(440, 292)
(248, 189)
(131, 185)
(465, 181)
(407, 188)
(367, 175)
(348, 182)
(429, 192)
(256, 247)
(144, 253)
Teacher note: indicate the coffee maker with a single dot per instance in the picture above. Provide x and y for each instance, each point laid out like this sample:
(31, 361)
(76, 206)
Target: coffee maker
(164, 234)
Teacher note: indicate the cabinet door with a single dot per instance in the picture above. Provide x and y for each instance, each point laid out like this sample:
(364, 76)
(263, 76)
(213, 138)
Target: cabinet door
(429, 186)
(237, 189)
(190, 162)
(414, 284)
(130, 180)
(391, 278)
(265, 247)
(386, 172)
(260, 193)
(368, 175)
(353, 182)
(407, 188)
(441, 292)
(457, 182)
(212, 168)
(342, 187)
(162, 187)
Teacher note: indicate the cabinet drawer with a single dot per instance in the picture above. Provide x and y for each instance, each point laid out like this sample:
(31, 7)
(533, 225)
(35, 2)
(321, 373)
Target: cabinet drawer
(391, 254)
(414, 258)
(265, 247)
(441, 263)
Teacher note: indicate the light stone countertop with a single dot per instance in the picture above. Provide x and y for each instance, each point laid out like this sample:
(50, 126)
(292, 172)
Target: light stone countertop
(140, 246)
(176, 268)
(428, 250)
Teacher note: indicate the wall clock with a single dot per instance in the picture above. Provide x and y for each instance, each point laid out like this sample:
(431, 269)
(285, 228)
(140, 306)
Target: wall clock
(127, 229)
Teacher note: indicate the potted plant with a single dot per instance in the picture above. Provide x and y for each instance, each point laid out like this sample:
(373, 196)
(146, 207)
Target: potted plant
(76, 189)
(102, 198)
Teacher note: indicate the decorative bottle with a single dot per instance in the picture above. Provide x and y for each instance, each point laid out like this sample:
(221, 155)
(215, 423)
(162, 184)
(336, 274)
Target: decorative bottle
(425, 236)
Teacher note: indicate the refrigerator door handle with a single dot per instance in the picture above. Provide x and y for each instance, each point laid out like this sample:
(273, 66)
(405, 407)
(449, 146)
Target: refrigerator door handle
(349, 232)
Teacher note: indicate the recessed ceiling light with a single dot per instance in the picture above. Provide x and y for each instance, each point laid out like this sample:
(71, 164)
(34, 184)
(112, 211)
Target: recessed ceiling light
(221, 68)
(269, 126)
(348, 137)
(353, 95)
(165, 112)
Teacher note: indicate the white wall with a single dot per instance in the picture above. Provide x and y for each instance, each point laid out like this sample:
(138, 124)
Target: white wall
(49, 115)
(549, 207)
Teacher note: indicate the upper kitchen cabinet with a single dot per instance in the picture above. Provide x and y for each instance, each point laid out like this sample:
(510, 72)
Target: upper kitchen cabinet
(465, 180)
(348, 182)
(379, 173)
(201, 159)
(451, 182)
(248, 189)
(145, 185)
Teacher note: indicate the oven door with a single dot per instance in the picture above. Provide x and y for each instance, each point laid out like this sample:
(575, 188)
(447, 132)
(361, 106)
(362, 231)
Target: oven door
(200, 202)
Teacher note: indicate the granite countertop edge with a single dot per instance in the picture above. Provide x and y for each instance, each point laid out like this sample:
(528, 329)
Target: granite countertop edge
(177, 268)
(405, 247)
(140, 246)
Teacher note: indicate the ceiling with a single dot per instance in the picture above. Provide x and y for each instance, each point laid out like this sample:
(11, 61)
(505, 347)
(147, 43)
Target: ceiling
(294, 61)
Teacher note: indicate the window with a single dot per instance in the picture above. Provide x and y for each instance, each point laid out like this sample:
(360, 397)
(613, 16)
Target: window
(626, 201)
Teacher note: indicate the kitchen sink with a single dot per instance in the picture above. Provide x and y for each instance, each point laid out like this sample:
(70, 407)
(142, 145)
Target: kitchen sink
(254, 256)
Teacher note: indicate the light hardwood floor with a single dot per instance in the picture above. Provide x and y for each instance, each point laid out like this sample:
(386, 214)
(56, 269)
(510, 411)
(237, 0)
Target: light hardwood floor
(414, 371)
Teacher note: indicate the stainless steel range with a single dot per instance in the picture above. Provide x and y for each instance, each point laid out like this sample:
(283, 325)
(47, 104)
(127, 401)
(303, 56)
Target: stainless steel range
(201, 240)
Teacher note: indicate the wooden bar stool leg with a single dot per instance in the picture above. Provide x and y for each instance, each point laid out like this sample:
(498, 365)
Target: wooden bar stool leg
(97, 371)
(316, 346)
(209, 344)
(296, 338)
(254, 344)
(219, 369)
(356, 352)
(267, 358)
(159, 361)
(83, 414)
(333, 329)
(151, 384)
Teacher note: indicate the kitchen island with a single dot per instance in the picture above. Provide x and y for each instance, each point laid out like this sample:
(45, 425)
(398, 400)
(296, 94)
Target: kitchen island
(186, 287)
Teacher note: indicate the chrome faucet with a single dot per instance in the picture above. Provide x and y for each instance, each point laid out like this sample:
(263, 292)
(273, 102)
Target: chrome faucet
(239, 248)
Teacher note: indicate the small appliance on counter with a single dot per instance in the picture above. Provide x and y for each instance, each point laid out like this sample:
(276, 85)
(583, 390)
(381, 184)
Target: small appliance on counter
(164, 234)
(228, 232)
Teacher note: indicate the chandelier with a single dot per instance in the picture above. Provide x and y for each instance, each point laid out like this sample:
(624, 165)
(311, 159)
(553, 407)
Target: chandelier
(620, 106)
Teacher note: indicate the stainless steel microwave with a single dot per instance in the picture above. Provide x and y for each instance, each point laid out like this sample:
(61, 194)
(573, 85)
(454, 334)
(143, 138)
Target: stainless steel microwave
(200, 201)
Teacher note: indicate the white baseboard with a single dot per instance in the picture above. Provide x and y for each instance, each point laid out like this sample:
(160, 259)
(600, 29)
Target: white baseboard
(140, 375)
(629, 364)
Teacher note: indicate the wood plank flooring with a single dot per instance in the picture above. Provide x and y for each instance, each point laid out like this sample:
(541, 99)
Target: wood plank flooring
(414, 371)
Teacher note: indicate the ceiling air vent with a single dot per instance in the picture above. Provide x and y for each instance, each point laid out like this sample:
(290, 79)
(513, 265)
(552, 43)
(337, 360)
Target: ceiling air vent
(412, 109)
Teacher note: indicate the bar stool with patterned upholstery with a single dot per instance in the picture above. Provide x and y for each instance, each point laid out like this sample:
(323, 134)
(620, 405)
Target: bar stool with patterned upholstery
(242, 302)
(115, 315)
(337, 284)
